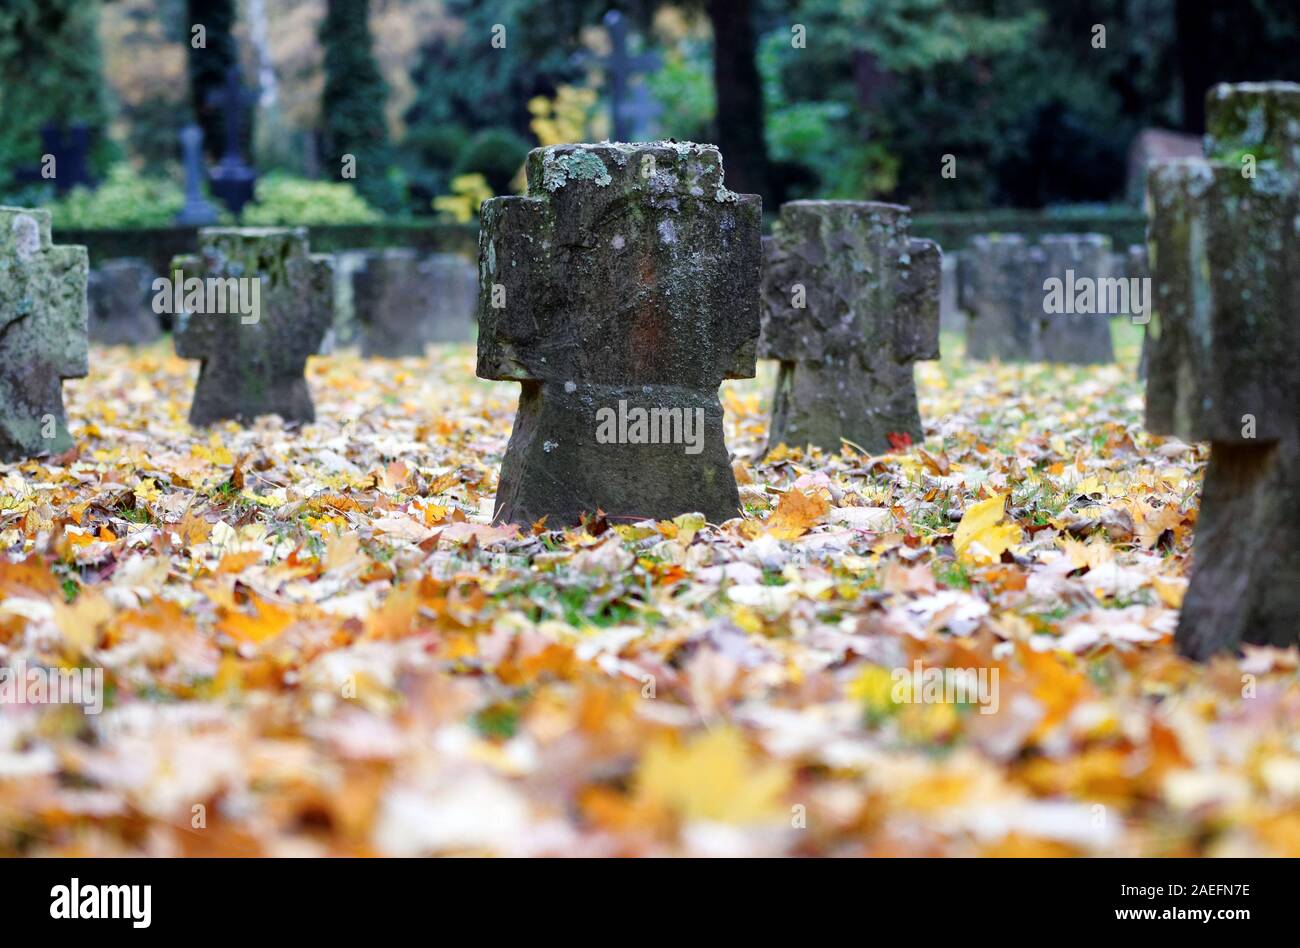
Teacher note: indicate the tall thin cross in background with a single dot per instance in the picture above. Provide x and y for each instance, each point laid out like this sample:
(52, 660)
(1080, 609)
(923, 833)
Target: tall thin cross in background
(629, 114)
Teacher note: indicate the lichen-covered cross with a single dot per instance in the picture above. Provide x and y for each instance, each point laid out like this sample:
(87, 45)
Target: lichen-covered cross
(42, 333)
(1224, 343)
(620, 292)
(266, 306)
(850, 301)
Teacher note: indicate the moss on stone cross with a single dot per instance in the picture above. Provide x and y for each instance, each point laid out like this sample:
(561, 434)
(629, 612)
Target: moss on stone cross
(620, 291)
(1223, 346)
(264, 305)
(42, 333)
(850, 301)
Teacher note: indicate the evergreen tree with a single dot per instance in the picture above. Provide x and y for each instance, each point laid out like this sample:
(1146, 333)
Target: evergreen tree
(51, 73)
(352, 106)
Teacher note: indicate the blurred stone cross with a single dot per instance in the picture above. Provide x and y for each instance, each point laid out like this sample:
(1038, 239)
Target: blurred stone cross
(198, 210)
(1224, 342)
(631, 109)
(42, 333)
(621, 292)
(71, 147)
(252, 305)
(850, 301)
(232, 178)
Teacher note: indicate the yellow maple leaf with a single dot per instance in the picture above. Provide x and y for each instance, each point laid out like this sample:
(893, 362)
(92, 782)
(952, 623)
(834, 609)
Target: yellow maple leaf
(796, 513)
(981, 536)
(712, 777)
(268, 621)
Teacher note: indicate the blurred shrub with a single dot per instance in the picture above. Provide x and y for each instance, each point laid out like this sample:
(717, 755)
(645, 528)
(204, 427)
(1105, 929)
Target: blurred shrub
(494, 153)
(569, 117)
(282, 200)
(124, 199)
(468, 191)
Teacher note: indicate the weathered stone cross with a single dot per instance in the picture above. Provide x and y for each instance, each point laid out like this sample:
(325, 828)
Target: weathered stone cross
(1224, 344)
(850, 301)
(232, 180)
(620, 291)
(254, 305)
(42, 333)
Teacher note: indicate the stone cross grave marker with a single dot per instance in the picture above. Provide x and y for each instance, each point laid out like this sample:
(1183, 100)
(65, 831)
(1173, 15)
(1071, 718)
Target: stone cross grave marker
(1224, 344)
(232, 179)
(254, 304)
(198, 210)
(42, 333)
(850, 301)
(120, 297)
(621, 292)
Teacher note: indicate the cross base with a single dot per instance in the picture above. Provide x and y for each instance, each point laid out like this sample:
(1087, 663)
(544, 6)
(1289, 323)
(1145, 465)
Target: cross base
(824, 403)
(561, 464)
(1245, 583)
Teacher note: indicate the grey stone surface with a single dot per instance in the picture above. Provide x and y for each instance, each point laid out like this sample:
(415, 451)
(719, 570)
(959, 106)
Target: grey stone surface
(120, 297)
(404, 300)
(952, 317)
(1002, 289)
(628, 274)
(850, 301)
(251, 368)
(455, 297)
(1224, 345)
(1073, 338)
(43, 337)
(1003, 286)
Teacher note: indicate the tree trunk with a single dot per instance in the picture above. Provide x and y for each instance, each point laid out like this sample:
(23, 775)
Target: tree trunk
(739, 94)
(1195, 59)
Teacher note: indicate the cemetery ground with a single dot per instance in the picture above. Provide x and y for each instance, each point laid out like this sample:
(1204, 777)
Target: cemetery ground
(315, 642)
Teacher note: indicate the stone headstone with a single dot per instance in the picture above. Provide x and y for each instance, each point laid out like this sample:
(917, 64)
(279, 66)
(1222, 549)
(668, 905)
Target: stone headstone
(347, 263)
(1132, 263)
(455, 297)
(850, 301)
(42, 333)
(1225, 342)
(403, 301)
(1152, 145)
(1076, 338)
(253, 356)
(621, 292)
(952, 318)
(1002, 291)
(121, 311)
(391, 300)
(1005, 288)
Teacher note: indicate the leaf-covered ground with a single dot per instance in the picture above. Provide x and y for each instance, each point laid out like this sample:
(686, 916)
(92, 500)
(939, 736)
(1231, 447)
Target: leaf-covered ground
(315, 643)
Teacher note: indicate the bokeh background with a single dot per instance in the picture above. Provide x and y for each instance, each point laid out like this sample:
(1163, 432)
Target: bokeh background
(812, 98)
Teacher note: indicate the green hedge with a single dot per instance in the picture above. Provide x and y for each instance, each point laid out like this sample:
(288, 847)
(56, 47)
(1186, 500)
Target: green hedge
(1124, 225)
(953, 231)
(158, 245)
